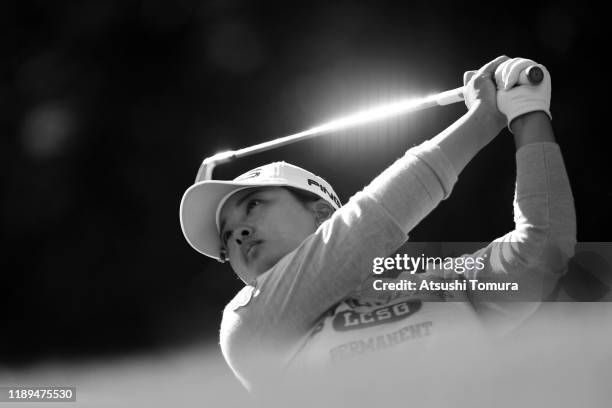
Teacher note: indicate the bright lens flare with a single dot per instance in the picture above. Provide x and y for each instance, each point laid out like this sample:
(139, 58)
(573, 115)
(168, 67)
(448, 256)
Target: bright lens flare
(367, 116)
(359, 118)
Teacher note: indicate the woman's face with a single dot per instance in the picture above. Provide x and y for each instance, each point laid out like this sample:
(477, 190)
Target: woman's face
(261, 225)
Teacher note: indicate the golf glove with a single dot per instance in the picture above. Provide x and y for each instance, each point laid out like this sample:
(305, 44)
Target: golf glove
(514, 99)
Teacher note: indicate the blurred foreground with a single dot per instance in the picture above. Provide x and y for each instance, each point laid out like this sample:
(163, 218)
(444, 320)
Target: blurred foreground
(562, 357)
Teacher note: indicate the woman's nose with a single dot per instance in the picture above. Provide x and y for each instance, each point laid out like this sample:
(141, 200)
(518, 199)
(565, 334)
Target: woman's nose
(242, 233)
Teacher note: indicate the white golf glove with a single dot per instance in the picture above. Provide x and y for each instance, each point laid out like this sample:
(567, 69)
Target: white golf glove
(515, 99)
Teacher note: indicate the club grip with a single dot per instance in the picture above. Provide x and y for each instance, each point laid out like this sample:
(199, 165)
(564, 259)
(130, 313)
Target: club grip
(531, 76)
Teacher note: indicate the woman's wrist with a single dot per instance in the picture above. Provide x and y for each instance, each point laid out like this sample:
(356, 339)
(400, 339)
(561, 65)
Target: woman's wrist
(533, 127)
(466, 136)
(489, 120)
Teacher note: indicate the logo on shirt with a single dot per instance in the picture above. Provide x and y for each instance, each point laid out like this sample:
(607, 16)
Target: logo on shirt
(351, 320)
(381, 342)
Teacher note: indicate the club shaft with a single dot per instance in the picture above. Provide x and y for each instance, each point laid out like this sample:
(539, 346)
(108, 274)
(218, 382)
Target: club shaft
(360, 118)
(387, 111)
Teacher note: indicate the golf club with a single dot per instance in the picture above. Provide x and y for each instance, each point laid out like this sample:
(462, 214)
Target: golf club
(532, 75)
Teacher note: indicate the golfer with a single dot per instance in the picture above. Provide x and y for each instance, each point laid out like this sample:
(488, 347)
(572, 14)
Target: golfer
(307, 260)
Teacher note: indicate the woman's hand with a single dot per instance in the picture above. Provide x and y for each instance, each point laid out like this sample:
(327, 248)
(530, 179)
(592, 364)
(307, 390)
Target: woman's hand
(516, 99)
(480, 93)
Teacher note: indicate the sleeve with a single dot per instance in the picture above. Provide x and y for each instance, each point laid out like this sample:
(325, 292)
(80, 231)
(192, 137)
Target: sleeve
(291, 297)
(536, 253)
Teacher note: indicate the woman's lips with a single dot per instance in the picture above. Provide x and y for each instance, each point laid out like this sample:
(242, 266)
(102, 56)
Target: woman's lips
(251, 250)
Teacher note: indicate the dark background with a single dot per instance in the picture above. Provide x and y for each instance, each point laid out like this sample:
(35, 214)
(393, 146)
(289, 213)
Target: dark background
(108, 107)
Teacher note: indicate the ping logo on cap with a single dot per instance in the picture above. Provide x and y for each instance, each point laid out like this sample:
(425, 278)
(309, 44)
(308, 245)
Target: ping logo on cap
(281, 173)
(325, 191)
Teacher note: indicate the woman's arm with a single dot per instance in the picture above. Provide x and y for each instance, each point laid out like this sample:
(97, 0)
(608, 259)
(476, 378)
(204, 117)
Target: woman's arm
(445, 155)
(535, 254)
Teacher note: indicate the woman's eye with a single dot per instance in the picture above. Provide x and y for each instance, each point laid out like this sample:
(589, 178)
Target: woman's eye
(252, 204)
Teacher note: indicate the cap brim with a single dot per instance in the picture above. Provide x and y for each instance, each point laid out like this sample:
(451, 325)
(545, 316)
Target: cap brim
(199, 208)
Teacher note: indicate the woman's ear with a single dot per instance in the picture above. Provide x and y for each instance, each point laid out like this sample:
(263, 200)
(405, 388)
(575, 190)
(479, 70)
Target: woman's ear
(322, 210)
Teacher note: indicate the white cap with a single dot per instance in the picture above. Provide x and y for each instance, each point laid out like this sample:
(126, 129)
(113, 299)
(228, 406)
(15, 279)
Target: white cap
(202, 202)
